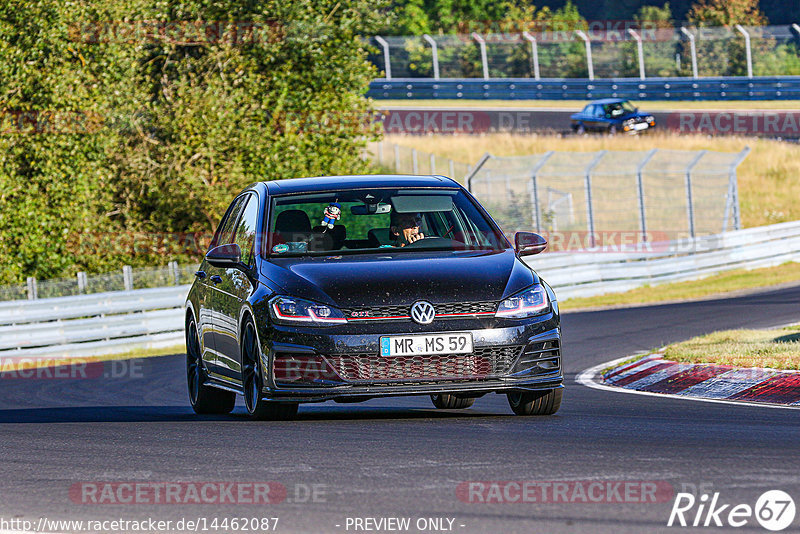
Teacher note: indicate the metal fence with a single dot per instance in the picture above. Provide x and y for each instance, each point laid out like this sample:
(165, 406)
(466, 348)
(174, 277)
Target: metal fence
(122, 321)
(691, 192)
(404, 160)
(588, 53)
(125, 279)
(681, 192)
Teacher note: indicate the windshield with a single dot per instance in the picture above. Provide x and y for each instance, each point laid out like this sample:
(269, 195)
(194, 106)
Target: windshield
(373, 220)
(618, 109)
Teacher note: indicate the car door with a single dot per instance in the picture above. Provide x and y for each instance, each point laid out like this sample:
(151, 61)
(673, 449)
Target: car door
(214, 302)
(235, 287)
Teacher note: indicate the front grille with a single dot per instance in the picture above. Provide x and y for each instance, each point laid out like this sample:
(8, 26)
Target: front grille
(404, 311)
(485, 362)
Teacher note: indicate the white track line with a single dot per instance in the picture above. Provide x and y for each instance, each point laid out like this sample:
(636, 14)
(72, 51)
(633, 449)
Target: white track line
(588, 378)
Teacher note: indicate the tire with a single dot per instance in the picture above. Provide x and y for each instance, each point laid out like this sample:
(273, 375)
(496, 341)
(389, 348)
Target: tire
(446, 401)
(580, 129)
(253, 382)
(612, 130)
(204, 399)
(536, 402)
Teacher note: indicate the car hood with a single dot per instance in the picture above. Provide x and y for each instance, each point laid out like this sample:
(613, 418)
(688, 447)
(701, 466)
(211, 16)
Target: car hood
(401, 277)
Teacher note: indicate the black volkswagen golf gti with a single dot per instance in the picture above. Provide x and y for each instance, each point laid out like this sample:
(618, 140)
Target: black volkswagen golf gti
(348, 288)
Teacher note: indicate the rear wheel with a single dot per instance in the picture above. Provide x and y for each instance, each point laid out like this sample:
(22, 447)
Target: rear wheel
(446, 401)
(204, 399)
(580, 130)
(253, 382)
(536, 402)
(612, 130)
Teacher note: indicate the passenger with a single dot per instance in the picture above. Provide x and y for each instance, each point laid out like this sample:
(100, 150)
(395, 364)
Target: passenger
(405, 228)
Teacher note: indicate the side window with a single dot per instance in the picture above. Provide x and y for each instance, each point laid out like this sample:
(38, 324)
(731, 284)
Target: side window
(246, 231)
(599, 112)
(224, 233)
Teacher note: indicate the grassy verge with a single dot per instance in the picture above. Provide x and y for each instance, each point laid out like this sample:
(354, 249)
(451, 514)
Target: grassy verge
(577, 105)
(775, 349)
(768, 184)
(39, 362)
(713, 285)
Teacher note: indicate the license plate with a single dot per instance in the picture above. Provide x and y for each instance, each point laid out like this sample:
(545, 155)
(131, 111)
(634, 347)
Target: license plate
(455, 343)
(640, 126)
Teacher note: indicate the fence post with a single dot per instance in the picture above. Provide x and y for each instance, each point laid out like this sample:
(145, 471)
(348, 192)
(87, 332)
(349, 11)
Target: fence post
(640, 188)
(32, 288)
(127, 277)
(474, 170)
(689, 201)
(484, 61)
(737, 223)
(639, 51)
(433, 163)
(588, 187)
(435, 54)
(588, 44)
(414, 162)
(81, 282)
(452, 168)
(692, 49)
(537, 217)
(386, 60)
(534, 53)
(176, 275)
(397, 158)
(748, 53)
(380, 152)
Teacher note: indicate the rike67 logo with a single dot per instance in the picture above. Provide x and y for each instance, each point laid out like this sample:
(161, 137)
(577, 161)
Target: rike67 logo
(774, 510)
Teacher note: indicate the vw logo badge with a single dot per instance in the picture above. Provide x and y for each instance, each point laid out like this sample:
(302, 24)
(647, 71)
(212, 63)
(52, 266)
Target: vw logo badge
(422, 312)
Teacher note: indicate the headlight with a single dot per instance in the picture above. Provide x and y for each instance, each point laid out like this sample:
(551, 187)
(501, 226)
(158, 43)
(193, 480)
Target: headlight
(289, 310)
(528, 303)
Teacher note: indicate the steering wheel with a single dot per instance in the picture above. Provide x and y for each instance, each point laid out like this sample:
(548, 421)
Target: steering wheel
(428, 240)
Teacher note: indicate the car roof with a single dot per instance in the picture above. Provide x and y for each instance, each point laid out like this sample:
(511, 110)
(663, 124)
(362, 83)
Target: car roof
(609, 101)
(327, 183)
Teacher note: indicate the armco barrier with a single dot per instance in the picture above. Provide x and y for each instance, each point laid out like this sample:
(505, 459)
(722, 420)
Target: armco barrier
(586, 274)
(721, 88)
(127, 320)
(87, 325)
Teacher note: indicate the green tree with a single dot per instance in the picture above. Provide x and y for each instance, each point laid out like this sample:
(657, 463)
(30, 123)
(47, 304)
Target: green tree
(176, 126)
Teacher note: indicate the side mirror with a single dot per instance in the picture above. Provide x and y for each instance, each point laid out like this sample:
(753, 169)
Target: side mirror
(528, 243)
(225, 256)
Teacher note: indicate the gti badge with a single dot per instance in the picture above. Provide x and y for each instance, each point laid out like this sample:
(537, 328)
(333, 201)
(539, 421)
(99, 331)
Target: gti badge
(422, 312)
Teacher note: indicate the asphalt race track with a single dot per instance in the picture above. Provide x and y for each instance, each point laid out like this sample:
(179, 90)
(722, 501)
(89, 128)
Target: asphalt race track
(401, 457)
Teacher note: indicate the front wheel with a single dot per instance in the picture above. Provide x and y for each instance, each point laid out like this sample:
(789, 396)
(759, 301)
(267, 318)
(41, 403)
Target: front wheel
(536, 402)
(253, 382)
(204, 399)
(445, 401)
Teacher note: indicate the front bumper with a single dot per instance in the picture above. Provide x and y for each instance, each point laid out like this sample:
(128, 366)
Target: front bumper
(536, 366)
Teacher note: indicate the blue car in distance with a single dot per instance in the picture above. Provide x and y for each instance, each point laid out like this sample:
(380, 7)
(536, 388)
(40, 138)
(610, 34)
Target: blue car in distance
(611, 115)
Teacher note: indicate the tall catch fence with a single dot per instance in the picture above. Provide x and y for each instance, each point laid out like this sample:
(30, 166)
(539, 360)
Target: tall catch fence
(597, 51)
(657, 193)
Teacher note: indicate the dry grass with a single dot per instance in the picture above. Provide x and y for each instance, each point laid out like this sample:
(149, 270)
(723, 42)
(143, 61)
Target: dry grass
(769, 178)
(575, 105)
(695, 289)
(13, 364)
(775, 349)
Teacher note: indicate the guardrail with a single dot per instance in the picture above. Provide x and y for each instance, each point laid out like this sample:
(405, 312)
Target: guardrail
(717, 88)
(121, 321)
(586, 274)
(86, 325)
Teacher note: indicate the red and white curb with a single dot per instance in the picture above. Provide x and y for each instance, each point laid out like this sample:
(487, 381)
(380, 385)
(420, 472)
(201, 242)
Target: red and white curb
(655, 376)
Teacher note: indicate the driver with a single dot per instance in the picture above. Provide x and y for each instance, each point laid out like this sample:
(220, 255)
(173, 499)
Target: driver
(405, 228)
